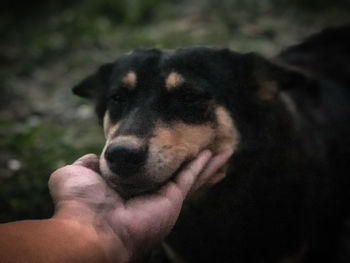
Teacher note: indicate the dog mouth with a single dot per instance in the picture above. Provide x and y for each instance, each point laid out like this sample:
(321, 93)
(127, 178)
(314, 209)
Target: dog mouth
(141, 183)
(131, 189)
(130, 178)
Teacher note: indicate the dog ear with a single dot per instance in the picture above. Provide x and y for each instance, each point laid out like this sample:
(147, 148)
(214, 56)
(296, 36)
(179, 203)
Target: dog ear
(269, 77)
(91, 86)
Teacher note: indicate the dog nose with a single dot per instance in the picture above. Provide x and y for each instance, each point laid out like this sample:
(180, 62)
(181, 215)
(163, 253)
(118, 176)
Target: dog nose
(125, 160)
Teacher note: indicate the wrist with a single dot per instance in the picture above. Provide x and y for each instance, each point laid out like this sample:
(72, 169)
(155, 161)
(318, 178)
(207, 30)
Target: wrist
(92, 229)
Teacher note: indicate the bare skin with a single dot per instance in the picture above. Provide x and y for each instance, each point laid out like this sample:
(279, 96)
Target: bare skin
(92, 223)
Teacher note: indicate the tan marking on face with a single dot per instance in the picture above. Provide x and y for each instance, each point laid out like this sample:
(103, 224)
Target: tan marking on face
(189, 136)
(108, 127)
(267, 90)
(127, 140)
(174, 80)
(130, 80)
(106, 123)
(227, 135)
(173, 144)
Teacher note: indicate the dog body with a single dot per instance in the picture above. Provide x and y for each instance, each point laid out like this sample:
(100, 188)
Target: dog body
(285, 196)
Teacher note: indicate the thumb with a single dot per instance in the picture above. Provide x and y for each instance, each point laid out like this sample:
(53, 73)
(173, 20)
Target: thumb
(188, 176)
(90, 161)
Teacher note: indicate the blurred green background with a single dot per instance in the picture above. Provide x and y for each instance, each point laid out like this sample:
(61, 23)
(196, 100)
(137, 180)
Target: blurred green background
(48, 46)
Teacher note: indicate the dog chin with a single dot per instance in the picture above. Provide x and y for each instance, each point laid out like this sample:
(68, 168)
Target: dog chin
(129, 190)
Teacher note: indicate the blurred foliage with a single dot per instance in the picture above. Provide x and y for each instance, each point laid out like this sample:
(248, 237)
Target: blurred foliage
(233, 11)
(125, 11)
(48, 46)
(39, 147)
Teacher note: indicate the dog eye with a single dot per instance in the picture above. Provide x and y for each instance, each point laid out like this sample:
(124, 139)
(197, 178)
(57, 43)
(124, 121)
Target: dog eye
(119, 97)
(189, 98)
(194, 97)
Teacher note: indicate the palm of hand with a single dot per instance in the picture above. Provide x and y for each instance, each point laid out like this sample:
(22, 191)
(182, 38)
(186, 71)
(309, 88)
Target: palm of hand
(141, 222)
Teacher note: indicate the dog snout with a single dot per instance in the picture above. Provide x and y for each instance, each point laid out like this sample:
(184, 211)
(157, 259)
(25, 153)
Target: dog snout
(125, 160)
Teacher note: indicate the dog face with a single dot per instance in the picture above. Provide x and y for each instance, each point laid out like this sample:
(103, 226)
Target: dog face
(160, 108)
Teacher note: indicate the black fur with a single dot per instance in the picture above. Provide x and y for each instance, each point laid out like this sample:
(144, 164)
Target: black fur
(287, 190)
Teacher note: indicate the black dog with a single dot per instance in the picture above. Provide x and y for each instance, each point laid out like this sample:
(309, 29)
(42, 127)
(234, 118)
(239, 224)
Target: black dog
(286, 194)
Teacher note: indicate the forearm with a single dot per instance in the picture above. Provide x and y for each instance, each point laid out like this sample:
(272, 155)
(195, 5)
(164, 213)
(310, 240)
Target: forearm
(57, 240)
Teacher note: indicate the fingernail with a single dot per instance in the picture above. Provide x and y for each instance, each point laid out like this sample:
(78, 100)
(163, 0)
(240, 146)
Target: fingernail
(84, 159)
(89, 161)
(217, 178)
(79, 161)
(207, 153)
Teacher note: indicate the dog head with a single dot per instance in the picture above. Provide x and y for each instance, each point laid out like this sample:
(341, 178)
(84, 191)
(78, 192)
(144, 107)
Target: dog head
(160, 108)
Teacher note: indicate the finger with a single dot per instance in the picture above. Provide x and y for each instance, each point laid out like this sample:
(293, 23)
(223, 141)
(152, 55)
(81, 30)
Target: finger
(90, 161)
(216, 179)
(210, 174)
(185, 179)
(216, 163)
(82, 172)
(213, 180)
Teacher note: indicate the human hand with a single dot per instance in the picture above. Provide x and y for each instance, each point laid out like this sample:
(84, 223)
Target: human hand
(137, 224)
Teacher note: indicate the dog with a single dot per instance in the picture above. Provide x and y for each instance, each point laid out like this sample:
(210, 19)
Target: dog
(286, 194)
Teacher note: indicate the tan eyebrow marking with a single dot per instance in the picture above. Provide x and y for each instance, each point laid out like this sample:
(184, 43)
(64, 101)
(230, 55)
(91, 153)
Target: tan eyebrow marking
(130, 80)
(174, 80)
